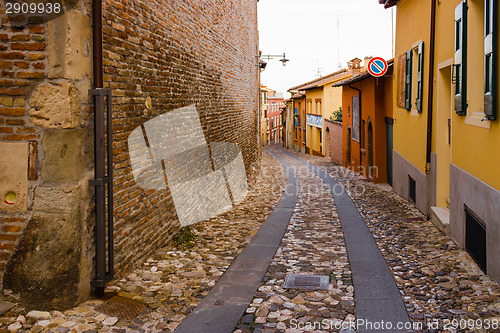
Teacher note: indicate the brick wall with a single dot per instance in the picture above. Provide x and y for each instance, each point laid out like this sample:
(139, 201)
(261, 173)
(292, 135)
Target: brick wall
(163, 55)
(158, 56)
(23, 63)
(335, 133)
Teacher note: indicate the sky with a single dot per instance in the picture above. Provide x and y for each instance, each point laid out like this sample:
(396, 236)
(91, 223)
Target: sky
(307, 32)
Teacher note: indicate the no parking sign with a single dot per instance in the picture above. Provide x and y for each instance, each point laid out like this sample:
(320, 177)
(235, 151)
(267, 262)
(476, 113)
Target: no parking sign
(377, 67)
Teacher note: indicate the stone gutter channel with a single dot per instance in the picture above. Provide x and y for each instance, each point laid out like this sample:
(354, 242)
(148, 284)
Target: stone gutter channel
(376, 294)
(223, 307)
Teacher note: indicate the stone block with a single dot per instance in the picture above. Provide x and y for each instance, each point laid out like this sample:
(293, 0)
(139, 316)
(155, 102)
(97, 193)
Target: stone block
(45, 268)
(13, 178)
(55, 105)
(64, 155)
(69, 46)
(62, 201)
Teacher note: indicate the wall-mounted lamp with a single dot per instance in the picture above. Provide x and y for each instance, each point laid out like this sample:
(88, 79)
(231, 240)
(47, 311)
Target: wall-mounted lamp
(262, 64)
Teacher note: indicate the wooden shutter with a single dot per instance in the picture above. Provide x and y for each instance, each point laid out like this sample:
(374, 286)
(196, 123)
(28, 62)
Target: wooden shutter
(460, 66)
(420, 78)
(490, 61)
(408, 79)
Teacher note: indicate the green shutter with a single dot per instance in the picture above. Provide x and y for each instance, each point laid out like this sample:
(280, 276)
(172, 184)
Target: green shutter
(490, 61)
(420, 85)
(460, 65)
(408, 78)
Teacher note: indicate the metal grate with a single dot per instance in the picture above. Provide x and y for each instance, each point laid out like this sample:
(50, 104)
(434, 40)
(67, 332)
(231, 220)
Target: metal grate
(121, 307)
(307, 282)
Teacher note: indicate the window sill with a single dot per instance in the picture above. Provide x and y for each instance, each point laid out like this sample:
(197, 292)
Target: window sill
(474, 119)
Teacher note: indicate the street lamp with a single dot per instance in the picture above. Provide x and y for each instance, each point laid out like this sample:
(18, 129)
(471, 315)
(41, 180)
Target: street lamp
(262, 64)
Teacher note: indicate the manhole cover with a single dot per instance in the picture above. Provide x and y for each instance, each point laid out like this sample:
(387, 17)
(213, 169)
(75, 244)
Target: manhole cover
(307, 282)
(121, 307)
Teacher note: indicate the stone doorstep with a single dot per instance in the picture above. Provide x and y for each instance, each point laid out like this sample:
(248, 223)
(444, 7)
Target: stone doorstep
(440, 217)
(384, 186)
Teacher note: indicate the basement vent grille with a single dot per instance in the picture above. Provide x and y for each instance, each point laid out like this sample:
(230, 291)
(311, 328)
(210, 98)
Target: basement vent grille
(307, 282)
(121, 307)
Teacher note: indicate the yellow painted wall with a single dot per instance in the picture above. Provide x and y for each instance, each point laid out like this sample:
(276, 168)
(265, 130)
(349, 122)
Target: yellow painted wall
(476, 143)
(412, 27)
(332, 99)
(313, 135)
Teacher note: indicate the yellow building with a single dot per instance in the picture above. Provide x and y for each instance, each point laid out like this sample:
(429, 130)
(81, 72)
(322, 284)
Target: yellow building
(321, 100)
(264, 122)
(446, 132)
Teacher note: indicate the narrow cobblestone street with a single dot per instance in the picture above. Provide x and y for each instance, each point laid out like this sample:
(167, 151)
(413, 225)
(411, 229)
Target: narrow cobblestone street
(437, 281)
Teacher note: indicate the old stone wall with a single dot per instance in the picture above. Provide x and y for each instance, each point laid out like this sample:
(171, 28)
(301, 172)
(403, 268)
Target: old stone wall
(158, 56)
(46, 149)
(163, 55)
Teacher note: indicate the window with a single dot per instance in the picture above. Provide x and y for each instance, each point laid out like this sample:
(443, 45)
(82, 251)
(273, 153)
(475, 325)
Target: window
(490, 63)
(460, 63)
(420, 76)
(408, 79)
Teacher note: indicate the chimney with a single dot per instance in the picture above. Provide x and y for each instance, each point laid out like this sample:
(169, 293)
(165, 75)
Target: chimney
(367, 60)
(354, 65)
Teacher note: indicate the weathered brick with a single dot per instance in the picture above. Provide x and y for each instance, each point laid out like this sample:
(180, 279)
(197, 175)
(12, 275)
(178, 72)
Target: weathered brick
(12, 55)
(7, 101)
(28, 46)
(11, 238)
(36, 56)
(19, 137)
(4, 37)
(14, 122)
(12, 91)
(26, 130)
(12, 112)
(22, 64)
(39, 65)
(20, 38)
(5, 64)
(5, 129)
(36, 30)
(6, 246)
(11, 228)
(31, 75)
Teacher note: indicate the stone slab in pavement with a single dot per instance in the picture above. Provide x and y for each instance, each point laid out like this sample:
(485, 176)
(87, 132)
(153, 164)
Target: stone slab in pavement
(236, 287)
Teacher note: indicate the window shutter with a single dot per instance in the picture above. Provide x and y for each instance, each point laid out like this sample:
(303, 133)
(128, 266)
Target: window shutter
(420, 81)
(460, 66)
(490, 63)
(409, 55)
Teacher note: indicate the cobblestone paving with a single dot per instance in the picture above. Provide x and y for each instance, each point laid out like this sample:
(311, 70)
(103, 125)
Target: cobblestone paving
(313, 244)
(439, 282)
(173, 281)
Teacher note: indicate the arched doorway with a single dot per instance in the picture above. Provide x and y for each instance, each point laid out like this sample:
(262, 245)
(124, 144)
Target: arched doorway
(349, 136)
(370, 149)
(328, 143)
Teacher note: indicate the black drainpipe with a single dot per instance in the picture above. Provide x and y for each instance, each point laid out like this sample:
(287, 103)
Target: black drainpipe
(360, 124)
(431, 86)
(430, 108)
(103, 182)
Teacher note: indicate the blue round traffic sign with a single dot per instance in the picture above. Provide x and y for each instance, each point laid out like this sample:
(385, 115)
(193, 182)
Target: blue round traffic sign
(377, 66)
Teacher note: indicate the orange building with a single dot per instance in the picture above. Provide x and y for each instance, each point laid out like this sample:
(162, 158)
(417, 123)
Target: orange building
(367, 125)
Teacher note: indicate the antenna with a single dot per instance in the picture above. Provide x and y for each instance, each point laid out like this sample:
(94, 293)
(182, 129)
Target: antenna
(338, 40)
(318, 70)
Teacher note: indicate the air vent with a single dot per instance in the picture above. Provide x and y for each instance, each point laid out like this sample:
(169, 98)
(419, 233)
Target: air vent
(475, 238)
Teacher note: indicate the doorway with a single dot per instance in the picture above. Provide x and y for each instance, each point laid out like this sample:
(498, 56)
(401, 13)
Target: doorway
(389, 147)
(349, 136)
(328, 152)
(370, 149)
